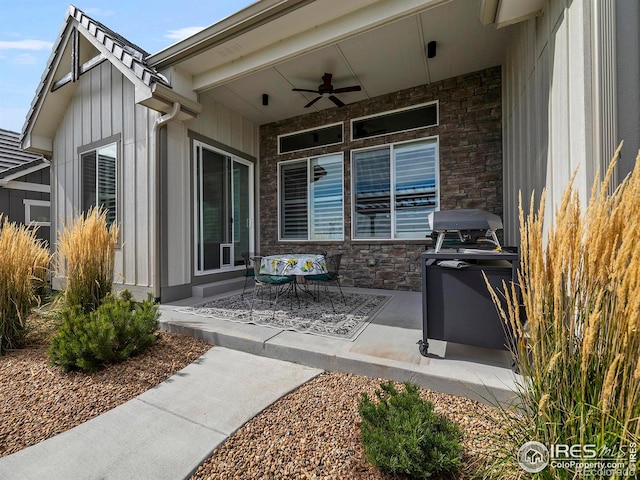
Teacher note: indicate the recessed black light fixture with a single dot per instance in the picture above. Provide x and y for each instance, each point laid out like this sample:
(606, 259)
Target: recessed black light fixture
(431, 49)
(265, 99)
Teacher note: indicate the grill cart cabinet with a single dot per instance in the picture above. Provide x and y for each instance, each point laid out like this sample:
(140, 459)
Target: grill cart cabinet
(456, 304)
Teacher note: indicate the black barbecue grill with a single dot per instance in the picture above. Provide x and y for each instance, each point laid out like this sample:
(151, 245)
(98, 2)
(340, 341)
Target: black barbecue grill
(456, 305)
(470, 225)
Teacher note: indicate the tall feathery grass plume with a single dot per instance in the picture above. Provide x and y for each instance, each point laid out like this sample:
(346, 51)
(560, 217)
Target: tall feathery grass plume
(86, 255)
(578, 352)
(24, 264)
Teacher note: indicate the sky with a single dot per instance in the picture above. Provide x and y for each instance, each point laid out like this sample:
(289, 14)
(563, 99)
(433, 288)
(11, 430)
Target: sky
(29, 28)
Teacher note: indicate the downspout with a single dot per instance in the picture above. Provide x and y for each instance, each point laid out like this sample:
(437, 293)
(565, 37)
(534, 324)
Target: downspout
(157, 233)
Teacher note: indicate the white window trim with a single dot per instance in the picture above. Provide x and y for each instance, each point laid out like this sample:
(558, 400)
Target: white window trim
(392, 176)
(279, 212)
(319, 127)
(94, 148)
(389, 112)
(27, 212)
(197, 213)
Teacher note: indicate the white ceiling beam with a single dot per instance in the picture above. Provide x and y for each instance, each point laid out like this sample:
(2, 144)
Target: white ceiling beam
(337, 29)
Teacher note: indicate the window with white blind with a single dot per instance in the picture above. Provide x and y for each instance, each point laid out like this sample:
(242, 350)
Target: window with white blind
(311, 198)
(395, 187)
(99, 183)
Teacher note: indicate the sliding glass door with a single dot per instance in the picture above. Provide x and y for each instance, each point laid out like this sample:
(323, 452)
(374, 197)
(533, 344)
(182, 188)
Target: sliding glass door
(223, 209)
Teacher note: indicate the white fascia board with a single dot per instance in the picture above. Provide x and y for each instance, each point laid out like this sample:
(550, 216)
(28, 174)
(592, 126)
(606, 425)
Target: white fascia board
(315, 37)
(30, 187)
(516, 11)
(37, 144)
(224, 29)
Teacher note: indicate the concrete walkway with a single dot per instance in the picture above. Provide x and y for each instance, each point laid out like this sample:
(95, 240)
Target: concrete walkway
(387, 348)
(168, 431)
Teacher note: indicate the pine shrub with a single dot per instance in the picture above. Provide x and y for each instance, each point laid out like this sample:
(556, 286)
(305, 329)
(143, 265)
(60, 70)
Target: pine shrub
(402, 434)
(86, 254)
(118, 329)
(24, 263)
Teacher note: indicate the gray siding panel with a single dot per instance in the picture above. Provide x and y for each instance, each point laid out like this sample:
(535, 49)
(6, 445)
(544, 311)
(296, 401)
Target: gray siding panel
(547, 110)
(103, 106)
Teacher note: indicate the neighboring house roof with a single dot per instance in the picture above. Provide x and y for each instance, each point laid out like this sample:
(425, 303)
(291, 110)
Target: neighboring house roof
(14, 161)
(83, 39)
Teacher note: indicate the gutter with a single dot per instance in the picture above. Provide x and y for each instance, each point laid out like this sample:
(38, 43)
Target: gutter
(157, 234)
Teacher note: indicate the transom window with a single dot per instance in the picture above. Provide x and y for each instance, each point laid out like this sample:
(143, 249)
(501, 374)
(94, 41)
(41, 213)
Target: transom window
(395, 187)
(404, 119)
(311, 198)
(99, 179)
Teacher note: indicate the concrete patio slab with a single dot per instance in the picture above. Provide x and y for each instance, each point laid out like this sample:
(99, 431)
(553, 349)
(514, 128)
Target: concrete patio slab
(386, 348)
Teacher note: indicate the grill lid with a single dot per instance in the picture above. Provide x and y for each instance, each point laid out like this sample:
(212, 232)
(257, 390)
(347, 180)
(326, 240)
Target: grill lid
(464, 219)
(468, 221)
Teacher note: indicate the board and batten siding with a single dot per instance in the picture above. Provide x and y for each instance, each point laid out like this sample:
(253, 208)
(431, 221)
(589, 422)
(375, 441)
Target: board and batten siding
(547, 110)
(101, 107)
(226, 128)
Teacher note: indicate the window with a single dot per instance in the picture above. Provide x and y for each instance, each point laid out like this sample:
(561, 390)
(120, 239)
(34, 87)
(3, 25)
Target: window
(311, 198)
(395, 187)
(99, 184)
(411, 118)
(37, 212)
(316, 137)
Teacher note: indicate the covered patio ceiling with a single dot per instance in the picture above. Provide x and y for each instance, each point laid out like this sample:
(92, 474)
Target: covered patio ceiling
(379, 45)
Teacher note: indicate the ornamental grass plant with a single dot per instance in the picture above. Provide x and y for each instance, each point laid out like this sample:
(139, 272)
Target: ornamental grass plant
(24, 263)
(86, 254)
(578, 351)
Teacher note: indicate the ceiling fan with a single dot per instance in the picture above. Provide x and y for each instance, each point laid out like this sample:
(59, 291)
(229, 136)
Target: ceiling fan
(326, 88)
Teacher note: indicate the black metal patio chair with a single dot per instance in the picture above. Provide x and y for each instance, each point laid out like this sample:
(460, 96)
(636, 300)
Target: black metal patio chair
(249, 272)
(332, 276)
(280, 282)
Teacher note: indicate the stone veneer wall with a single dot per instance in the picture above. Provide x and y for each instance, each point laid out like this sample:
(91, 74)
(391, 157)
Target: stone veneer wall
(470, 156)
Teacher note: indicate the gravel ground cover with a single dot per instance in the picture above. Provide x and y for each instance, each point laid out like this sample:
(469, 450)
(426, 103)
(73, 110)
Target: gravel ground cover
(314, 433)
(311, 433)
(40, 401)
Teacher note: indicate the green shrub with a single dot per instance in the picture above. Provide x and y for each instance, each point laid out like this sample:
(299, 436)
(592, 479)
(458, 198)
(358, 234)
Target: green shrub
(24, 263)
(120, 328)
(402, 434)
(86, 253)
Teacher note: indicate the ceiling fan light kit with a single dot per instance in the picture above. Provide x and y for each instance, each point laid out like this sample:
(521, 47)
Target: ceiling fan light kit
(326, 89)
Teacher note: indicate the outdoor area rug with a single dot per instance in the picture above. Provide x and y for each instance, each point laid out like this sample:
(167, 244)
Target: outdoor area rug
(313, 317)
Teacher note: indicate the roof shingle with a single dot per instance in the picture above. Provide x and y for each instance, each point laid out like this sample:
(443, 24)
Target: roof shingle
(12, 157)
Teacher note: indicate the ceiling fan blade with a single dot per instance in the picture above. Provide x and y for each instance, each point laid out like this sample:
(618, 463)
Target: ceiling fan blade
(354, 88)
(336, 100)
(313, 101)
(303, 90)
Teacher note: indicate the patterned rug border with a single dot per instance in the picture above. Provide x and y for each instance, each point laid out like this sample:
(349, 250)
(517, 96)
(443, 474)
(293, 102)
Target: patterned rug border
(349, 326)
